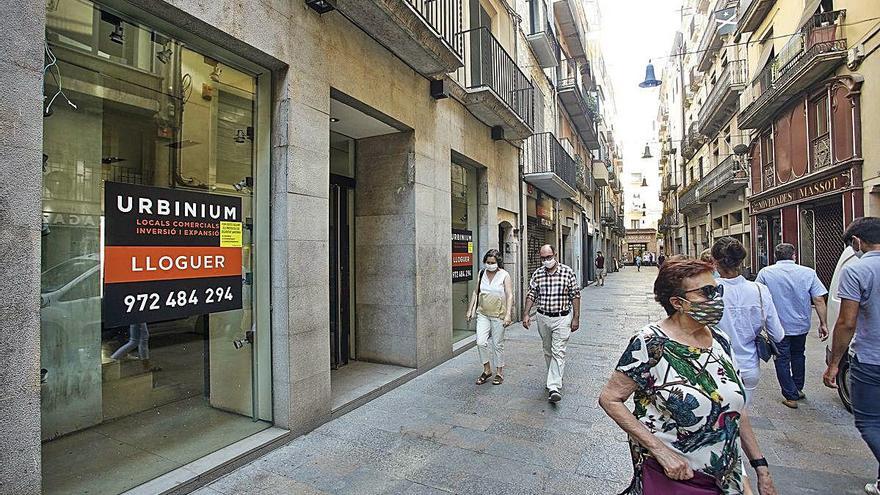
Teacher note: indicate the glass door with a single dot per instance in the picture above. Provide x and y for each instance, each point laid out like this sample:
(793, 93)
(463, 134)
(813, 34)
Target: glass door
(340, 276)
(465, 226)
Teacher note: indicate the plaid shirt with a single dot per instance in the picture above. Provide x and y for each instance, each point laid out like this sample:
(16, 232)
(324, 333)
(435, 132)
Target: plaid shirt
(554, 292)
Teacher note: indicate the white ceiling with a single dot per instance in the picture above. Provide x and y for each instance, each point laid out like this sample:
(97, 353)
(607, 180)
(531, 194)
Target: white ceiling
(356, 124)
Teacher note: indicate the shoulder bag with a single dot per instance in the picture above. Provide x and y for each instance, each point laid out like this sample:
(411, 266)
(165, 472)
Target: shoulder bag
(764, 344)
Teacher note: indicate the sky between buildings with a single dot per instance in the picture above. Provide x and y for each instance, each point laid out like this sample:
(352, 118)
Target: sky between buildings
(631, 33)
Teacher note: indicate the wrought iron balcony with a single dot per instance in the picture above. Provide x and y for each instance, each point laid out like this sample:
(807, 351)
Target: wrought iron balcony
(600, 173)
(723, 100)
(667, 184)
(575, 90)
(711, 41)
(727, 177)
(668, 222)
(541, 37)
(422, 33)
(547, 166)
(609, 213)
(688, 199)
(806, 59)
(585, 181)
(495, 89)
(570, 27)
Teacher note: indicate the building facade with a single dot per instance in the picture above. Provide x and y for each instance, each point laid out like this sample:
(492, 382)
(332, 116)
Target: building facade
(229, 225)
(807, 107)
(763, 125)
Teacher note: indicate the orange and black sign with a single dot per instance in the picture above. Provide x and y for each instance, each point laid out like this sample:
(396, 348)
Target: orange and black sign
(169, 254)
(462, 255)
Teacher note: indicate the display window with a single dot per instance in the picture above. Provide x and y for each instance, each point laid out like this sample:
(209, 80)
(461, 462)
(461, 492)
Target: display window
(154, 331)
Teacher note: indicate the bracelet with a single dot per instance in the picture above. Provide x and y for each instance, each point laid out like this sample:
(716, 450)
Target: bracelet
(761, 461)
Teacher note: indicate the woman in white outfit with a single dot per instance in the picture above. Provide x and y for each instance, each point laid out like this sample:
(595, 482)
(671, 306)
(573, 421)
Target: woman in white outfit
(491, 302)
(743, 315)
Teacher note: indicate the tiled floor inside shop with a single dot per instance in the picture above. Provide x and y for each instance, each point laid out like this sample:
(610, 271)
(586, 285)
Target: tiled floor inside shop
(139, 447)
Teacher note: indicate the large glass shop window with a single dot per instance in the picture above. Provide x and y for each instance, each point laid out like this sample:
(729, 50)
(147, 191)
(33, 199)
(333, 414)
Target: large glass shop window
(148, 327)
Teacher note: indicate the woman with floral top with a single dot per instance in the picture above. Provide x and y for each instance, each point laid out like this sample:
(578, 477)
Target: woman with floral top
(689, 418)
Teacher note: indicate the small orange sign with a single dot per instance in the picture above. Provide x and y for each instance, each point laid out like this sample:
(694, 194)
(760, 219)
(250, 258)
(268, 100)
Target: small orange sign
(148, 263)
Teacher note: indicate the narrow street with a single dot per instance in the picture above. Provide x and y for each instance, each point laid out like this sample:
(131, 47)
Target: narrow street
(440, 433)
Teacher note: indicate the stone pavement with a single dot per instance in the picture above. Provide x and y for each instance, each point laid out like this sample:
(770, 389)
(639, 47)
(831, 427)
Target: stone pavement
(439, 433)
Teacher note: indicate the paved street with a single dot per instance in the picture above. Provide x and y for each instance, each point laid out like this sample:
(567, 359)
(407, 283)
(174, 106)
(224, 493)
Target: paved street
(440, 433)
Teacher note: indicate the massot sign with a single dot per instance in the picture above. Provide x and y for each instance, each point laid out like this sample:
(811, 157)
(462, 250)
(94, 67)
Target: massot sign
(169, 254)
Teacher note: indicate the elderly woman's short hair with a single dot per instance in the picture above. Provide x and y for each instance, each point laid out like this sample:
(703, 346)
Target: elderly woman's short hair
(671, 277)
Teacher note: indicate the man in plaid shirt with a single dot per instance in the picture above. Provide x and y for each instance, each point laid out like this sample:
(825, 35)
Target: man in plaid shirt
(555, 292)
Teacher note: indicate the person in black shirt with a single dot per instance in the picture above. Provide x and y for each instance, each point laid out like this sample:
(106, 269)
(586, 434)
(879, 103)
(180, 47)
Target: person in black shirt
(600, 269)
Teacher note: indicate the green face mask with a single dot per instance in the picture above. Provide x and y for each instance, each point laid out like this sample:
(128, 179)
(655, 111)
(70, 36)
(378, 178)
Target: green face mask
(708, 312)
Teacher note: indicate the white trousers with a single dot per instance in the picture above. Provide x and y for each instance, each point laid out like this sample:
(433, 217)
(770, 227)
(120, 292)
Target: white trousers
(490, 339)
(554, 333)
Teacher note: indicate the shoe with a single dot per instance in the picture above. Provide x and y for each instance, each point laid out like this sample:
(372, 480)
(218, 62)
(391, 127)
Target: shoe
(554, 396)
(801, 395)
(790, 403)
(873, 488)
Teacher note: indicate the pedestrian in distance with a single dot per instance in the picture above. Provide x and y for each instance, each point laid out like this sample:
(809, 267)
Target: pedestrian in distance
(638, 262)
(554, 291)
(600, 269)
(689, 420)
(491, 303)
(857, 330)
(793, 288)
(660, 259)
(748, 308)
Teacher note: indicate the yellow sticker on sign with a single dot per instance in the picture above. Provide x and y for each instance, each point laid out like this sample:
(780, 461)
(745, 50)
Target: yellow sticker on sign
(470, 247)
(230, 234)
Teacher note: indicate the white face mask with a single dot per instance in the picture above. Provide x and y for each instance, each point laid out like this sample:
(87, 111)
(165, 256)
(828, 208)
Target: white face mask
(491, 266)
(548, 264)
(858, 252)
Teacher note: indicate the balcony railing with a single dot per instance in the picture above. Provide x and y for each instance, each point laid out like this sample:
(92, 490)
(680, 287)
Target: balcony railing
(541, 37)
(548, 166)
(688, 198)
(728, 176)
(668, 222)
(575, 89)
(609, 213)
(723, 99)
(422, 33)
(667, 184)
(488, 65)
(585, 181)
(806, 58)
(443, 17)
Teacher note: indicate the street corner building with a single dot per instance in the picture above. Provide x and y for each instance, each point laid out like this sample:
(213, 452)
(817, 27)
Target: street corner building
(228, 224)
(768, 124)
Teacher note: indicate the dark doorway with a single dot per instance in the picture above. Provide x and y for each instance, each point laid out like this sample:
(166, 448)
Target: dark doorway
(340, 270)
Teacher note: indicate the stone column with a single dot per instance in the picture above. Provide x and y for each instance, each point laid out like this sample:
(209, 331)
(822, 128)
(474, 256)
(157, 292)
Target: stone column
(21, 144)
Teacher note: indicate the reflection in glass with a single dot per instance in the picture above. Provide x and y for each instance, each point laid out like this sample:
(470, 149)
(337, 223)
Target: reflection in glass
(121, 406)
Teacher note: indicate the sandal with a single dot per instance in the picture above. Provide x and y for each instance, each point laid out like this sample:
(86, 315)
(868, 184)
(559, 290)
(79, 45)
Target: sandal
(499, 379)
(483, 378)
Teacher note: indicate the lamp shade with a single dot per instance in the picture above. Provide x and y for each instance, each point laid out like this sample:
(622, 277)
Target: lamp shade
(647, 153)
(651, 80)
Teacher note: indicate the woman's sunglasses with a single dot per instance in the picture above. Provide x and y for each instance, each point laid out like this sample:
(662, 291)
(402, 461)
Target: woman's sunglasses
(710, 292)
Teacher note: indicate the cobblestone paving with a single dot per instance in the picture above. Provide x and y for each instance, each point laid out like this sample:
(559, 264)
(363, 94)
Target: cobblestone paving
(440, 433)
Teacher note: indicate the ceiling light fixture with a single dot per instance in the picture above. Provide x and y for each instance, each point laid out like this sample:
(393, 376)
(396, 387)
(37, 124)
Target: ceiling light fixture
(333, 120)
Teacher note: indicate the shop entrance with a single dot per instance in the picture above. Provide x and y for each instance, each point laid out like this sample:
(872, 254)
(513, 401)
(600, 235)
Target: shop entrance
(341, 189)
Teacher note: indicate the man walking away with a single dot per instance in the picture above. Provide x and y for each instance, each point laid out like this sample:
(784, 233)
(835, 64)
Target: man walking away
(600, 269)
(859, 293)
(793, 287)
(660, 259)
(638, 262)
(554, 290)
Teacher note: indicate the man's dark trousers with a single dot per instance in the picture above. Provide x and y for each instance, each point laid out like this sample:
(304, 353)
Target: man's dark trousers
(790, 365)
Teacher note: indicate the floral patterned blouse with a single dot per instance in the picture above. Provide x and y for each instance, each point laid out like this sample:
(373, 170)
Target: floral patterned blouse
(690, 399)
